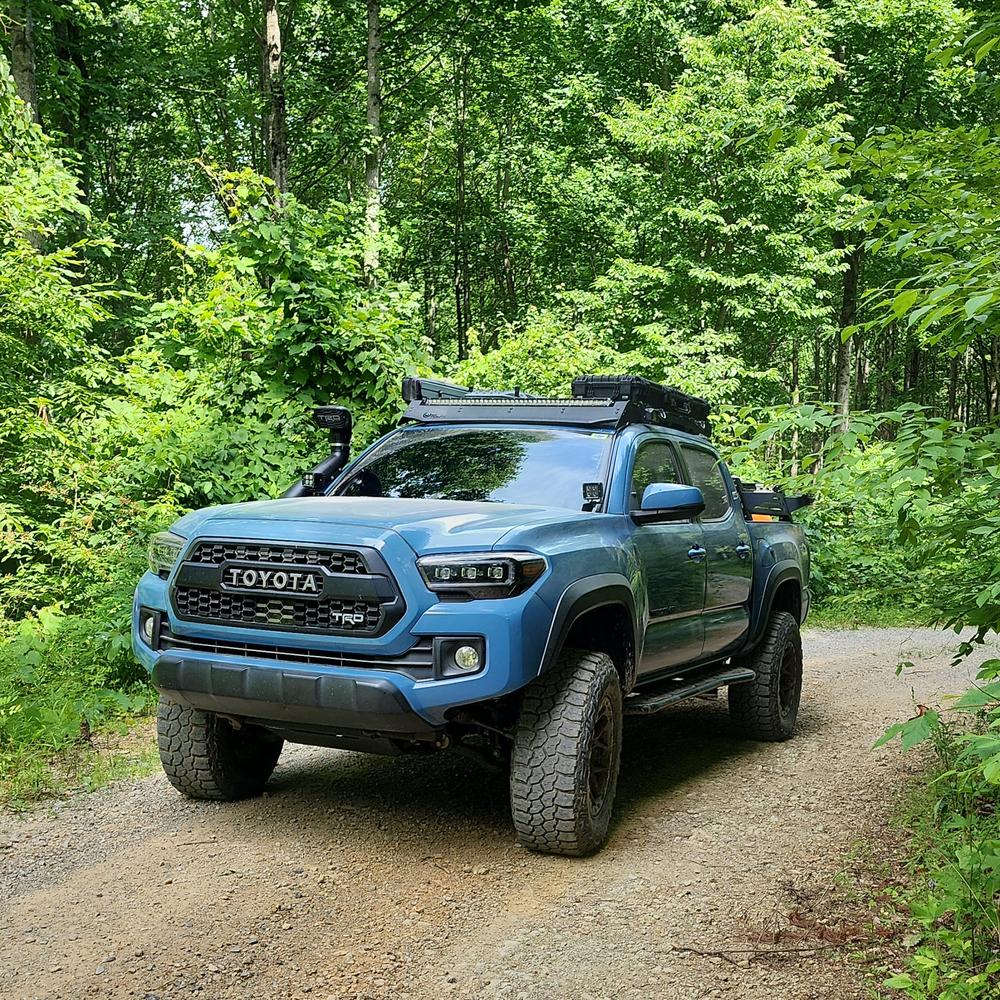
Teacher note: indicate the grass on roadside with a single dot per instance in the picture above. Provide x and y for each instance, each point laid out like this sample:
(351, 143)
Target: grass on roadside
(70, 695)
(838, 613)
(951, 892)
(125, 751)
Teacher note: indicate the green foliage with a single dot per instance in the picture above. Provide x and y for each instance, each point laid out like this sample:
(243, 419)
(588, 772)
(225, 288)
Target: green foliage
(47, 305)
(954, 897)
(61, 678)
(586, 332)
(941, 217)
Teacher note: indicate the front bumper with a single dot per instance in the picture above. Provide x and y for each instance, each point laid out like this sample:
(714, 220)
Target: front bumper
(376, 698)
(290, 697)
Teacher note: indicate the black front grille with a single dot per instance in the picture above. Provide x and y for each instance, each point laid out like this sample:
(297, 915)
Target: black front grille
(417, 662)
(335, 560)
(357, 594)
(281, 612)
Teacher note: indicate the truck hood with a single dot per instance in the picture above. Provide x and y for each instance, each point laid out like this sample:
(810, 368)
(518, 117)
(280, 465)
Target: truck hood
(426, 525)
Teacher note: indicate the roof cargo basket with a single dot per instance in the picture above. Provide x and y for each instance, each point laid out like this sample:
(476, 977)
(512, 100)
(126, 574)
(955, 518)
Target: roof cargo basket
(597, 401)
(662, 405)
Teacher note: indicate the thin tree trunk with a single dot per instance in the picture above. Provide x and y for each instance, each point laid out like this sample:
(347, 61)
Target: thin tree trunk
(273, 76)
(861, 388)
(430, 304)
(953, 389)
(796, 399)
(848, 312)
(373, 155)
(73, 118)
(967, 381)
(993, 366)
(463, 302)
(503, 203)
(21, 29)
(988, 391)
(817, 359)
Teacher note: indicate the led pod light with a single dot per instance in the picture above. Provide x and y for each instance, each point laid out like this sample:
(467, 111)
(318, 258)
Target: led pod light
(164, 550)
(464, 575)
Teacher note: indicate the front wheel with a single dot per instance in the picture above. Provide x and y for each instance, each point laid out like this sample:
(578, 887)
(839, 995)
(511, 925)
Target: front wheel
(206, 757)
(567, 750)
(767, 707)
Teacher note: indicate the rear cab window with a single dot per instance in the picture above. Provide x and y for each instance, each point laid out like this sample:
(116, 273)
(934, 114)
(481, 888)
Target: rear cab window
(704, 470)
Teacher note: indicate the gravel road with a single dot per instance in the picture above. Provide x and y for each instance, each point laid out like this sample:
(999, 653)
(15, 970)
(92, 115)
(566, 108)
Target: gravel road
(367, 877)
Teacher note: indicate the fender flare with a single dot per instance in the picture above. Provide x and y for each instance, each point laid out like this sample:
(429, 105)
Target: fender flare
(585, 595)
(779, 573)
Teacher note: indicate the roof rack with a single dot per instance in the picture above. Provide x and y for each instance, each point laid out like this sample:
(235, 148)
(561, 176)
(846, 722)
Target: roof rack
(612, 401)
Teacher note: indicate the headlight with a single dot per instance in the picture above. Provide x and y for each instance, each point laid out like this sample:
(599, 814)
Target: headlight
(164, 550)
(481, 574)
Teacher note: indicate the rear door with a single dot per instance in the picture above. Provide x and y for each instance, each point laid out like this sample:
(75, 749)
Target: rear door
(729, 556)
(673, 565)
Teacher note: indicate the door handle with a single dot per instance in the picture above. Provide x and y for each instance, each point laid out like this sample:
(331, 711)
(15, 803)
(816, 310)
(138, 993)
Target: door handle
(743, 550)
(697, 553)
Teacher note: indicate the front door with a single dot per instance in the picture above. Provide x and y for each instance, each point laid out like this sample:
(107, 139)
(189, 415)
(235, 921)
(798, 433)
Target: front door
(673, 561)
(729, 557)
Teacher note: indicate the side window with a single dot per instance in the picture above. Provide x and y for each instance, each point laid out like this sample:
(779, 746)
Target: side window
(655, 463)
(705, 474)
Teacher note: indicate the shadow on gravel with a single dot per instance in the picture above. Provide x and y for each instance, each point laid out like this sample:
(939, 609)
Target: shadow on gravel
(449, 802)
(675, 747)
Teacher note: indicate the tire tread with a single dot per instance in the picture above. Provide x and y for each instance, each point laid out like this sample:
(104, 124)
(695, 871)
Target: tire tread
(204, 757)
(754, 705)
(549, 763)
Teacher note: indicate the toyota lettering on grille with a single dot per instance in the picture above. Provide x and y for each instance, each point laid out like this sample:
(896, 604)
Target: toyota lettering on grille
(286, 581)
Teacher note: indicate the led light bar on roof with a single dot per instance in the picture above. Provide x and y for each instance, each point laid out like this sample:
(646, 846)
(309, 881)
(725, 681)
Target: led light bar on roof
(474, 400)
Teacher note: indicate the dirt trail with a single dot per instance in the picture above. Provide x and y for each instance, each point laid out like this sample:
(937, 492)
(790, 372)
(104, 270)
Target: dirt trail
(366, 877)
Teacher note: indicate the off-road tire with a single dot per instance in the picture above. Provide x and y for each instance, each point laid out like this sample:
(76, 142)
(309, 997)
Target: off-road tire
(205, 757)
(566, 754)
(767, 707)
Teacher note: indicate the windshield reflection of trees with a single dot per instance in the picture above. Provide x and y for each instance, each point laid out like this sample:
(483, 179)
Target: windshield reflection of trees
(469, 466)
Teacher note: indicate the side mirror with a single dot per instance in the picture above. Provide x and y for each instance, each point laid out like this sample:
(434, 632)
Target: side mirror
(669, 502)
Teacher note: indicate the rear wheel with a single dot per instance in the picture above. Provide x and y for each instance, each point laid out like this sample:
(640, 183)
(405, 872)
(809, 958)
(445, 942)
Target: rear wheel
(767, 707)
(567, 750)
(206, 757)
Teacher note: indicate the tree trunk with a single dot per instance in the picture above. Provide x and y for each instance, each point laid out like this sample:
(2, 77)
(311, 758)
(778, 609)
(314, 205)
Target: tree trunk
(988, 389)
(853, 254)
(430, 304)
(508, 287)
(861, 385)
(73, 118)
(953, 389)
(373, 156)
(21, 30)
(273, 77)
(796, 399)
(463, 303)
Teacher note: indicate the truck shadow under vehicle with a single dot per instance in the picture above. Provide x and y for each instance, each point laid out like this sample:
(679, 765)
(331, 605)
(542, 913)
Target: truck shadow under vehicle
(349, 794)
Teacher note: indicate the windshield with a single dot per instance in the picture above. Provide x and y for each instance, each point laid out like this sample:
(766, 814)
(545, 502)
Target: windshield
(505, 465)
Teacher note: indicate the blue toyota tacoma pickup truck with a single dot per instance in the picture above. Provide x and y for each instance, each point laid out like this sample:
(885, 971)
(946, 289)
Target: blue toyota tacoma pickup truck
(503, 573)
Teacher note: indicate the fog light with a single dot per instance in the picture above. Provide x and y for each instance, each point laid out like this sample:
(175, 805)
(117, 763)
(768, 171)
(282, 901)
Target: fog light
(147, 625)
(467, 658)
